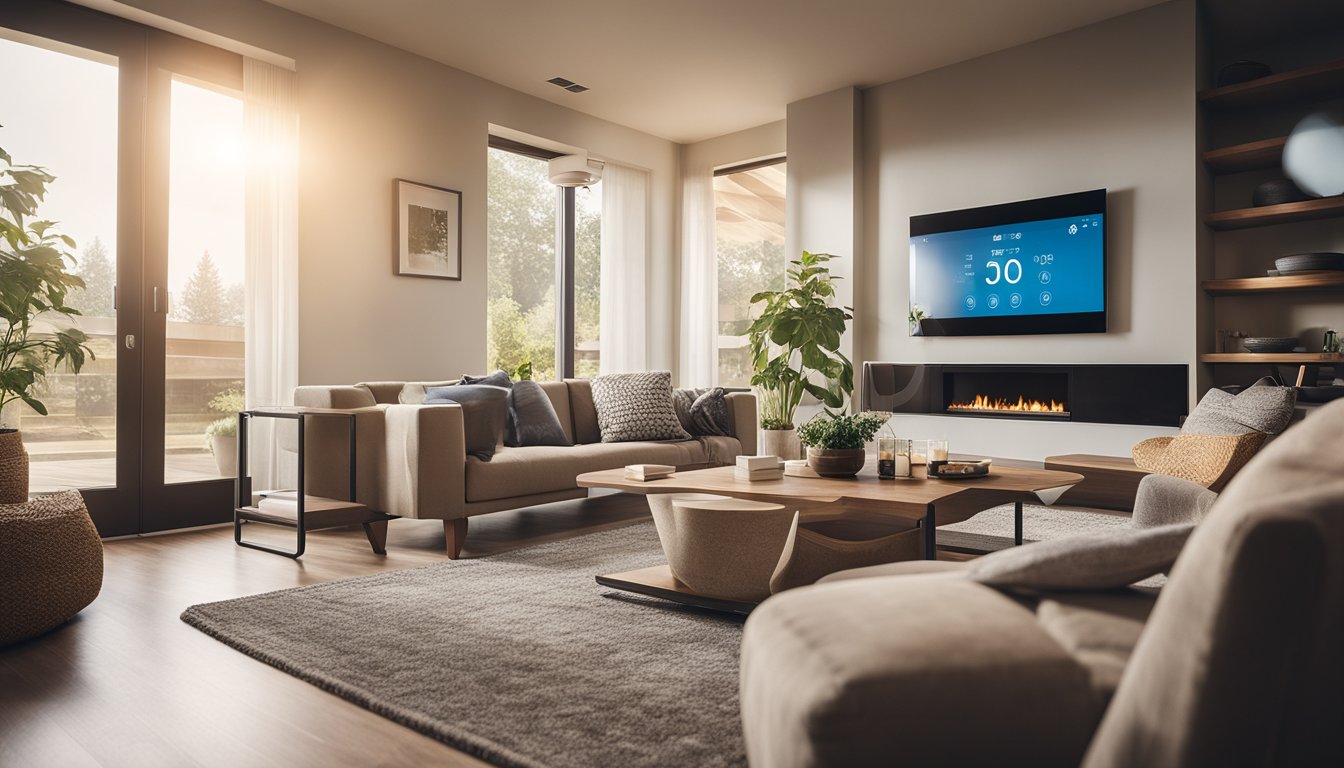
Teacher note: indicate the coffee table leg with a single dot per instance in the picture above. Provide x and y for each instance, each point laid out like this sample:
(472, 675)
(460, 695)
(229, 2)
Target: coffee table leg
(930, 535)
(1017, 523)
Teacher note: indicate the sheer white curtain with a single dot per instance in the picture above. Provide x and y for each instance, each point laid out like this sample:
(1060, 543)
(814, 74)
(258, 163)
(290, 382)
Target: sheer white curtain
(271, 125)
(623, 343)
(699, 281)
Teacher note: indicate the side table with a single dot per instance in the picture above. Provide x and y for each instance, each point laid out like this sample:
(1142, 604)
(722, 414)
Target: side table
(295, 509)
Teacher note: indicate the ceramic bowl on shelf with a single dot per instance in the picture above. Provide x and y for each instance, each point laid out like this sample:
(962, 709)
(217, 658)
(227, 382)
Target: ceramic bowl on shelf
(1309, 262)
(1269, 344)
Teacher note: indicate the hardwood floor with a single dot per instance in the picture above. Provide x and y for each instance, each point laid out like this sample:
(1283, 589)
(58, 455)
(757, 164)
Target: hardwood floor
(126, 683)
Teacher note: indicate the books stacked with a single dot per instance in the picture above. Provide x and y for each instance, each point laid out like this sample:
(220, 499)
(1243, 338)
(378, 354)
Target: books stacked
(756, 468)
(799, 468)
(646, 472)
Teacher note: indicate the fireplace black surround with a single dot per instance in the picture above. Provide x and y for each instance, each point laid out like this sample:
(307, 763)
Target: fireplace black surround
(1150, 395)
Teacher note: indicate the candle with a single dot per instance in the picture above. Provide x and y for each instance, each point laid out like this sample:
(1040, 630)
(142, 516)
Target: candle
(937, 450)
(902, 466)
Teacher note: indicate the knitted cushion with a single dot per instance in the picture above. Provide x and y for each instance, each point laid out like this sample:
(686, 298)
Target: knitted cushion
(636, 406)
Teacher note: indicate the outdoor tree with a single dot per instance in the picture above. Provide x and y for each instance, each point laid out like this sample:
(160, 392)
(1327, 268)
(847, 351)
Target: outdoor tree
(203, 300)
(100, 276)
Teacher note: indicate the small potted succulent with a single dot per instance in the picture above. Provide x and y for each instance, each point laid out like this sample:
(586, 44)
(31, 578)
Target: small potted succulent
(835, 441)
(222, 434)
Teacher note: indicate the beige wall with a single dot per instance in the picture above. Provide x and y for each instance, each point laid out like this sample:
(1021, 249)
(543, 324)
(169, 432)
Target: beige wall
(370, 113)
(1111, 105)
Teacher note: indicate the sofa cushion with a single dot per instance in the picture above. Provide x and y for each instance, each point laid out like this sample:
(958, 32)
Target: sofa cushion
(532, 419)
(542, 469)
(586, 429)
(1095, 560)
(636, 407)
(558, 392)
(1099, 630)
(703, 412)
(484, 414)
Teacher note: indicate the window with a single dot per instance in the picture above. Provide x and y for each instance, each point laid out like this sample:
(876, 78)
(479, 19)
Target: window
(544, 267)
(749, 245)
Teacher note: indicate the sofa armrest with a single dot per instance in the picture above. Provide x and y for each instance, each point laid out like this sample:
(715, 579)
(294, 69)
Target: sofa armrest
(1166, 500)
(425, 462)
(742, 410)
(909, 670)
(327, 396)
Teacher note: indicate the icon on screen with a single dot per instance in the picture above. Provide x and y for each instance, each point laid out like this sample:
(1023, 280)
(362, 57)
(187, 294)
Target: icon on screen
(993, 301)
(1015, 300)
(970, 302)
(1045, 298)
(1044, 277)
(1073, 229)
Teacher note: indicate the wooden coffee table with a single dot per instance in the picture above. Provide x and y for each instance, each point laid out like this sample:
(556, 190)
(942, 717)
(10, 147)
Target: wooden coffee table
(914, 502)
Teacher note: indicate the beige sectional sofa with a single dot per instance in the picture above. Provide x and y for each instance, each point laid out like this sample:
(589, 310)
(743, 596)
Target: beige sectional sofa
(412, 460)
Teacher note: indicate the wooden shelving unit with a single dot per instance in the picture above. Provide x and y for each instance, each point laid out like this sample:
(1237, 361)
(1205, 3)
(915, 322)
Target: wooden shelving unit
(1311, 281)
(1305, 83)
(1278, 358)
(1264, 216)
(1266, 153)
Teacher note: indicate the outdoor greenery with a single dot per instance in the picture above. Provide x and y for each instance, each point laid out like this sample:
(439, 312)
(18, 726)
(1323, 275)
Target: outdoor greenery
(230, 402)
(520, 316)
(34, 281)
(832, 430)
(797, 335)
(744, 269)
(205, 300)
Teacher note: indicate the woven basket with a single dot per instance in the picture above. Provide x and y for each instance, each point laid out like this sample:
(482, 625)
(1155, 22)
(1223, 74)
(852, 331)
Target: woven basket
(13, 468)
(51, 564)
(1210, 460)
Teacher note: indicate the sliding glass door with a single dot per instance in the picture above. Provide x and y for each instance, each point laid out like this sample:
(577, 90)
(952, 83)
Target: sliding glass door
(142, 131)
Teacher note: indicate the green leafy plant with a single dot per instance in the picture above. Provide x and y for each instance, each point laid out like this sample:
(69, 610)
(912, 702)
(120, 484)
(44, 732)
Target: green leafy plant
(229, 401)
(523, 372)
(796, 336)
(834, 430)
(34, 282)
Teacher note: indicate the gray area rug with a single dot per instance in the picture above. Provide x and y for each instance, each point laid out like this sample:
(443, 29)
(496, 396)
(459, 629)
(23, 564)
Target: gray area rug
(518, 658)
(992, 529)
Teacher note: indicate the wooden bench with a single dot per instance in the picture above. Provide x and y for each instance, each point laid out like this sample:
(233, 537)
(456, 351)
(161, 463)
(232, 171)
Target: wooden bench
(1111, 482)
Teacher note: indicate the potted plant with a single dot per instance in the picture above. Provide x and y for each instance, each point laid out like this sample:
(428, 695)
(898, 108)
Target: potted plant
(835, 441)
(34, 285)
(795, 338)
(222, 434)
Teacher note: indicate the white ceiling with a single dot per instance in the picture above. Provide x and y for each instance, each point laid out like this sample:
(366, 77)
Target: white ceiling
(688, 70)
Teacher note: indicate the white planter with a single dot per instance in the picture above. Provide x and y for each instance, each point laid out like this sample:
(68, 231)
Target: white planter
(225, 448)
(782, 443)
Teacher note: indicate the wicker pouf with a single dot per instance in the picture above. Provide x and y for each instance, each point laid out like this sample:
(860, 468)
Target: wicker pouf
(51, 564)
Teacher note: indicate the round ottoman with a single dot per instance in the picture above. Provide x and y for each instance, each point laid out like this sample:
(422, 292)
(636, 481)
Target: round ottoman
(722, 547)
(51, 564)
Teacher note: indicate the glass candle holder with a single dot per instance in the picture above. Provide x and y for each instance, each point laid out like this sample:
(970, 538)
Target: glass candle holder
(893, 458)
(937, 455)
(919, 451)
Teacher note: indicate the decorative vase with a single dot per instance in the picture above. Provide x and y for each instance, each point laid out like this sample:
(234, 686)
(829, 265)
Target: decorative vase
(835, 462)
(13, 468)
(782, 443)
(225, 448)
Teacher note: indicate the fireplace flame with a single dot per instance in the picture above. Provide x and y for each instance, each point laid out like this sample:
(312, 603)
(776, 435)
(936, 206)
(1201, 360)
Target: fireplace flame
(984, 403)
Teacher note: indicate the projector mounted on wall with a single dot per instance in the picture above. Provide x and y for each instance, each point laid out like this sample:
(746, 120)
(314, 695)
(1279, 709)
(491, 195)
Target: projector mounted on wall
(575, 171)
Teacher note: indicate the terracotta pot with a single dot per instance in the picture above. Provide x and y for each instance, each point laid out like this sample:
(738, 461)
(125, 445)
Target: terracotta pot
(782, 443)
(13, 467)
(225, 448)
(835, 462)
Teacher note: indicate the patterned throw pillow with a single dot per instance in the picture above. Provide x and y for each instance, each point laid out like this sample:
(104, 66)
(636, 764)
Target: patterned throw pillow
(636, 406)
(703, 412)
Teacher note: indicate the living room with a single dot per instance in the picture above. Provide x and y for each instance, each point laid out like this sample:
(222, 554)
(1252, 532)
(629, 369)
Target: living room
(587, 476)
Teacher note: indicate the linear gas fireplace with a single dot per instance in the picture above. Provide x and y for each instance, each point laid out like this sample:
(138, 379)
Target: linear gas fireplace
(1153, 395)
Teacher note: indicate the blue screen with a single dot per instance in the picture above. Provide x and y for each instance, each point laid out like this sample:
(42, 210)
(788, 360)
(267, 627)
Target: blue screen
(1054, 266)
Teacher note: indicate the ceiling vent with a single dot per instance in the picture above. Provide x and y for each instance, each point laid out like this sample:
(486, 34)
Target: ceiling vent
(575, 171)
(568, 85)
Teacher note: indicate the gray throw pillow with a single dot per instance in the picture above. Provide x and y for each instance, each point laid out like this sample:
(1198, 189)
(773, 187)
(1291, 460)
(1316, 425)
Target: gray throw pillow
(636, 406)
(532, 418)
(703, 412)
(1259, 408)
(494, 379)
(484, 414)
(1099, 560)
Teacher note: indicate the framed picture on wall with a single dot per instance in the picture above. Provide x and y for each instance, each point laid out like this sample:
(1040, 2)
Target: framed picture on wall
(429, 231)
